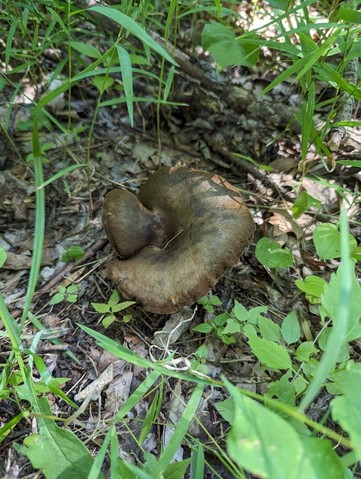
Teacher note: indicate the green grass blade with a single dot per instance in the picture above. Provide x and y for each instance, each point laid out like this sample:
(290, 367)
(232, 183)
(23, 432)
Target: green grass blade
(333, 77)
(39, 224)
(49, 381)
(169, 82)
(137, 396)
(127, 77)
(152, 415)
(302, 65)
(180, 430)
(197, 464)
(114, 454)
(121, 352)
(9, 426)
(307, 120)
(9, 39)
(61, 173)
(133, 28)
(10, 324)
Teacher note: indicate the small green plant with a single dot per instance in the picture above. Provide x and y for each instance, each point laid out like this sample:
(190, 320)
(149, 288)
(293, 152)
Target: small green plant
(303, 202)
(327, 241)
(226, 325)
(73, 253)
(270, 254)
(313, 287)
(65, 293)
(113, 306)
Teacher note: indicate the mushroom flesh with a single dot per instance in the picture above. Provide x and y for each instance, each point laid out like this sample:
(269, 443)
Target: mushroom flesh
(181, 234)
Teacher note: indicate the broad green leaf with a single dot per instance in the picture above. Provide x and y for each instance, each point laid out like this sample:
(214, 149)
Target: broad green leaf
(303, 202)
(57, 298)
(333, 295)
(270, 353)
(108, 320)
(346, 408)
(202, 352)
(121, 306)
(73, 288)
(322, 341)
(240, 311)
(226, 409)
(349, 14)
(265, 444)
(324, 461)
(232, 326)
(305, 350)
(176, 470)
(124, 471)
(114, 298)
(313, 287)
(356, 253)
(270, 254)
(249, 330)
(281, 4)
(134, 29)
(209, 303)
(255, 313)
(203, 328)
(57, 452)
(347, 381)
(283, 389)
(103, 82)
(73, 253)
(86, 49)
(228, 50)
(269, 329)
(327, 240)
(220, 319)
(290, 328)
(101, 307)
(127, 77)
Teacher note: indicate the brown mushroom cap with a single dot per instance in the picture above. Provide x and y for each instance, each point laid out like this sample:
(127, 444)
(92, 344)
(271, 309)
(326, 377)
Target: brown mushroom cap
(185, 229)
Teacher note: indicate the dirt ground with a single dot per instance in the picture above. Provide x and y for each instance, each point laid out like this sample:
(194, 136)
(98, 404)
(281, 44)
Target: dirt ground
(214, 132)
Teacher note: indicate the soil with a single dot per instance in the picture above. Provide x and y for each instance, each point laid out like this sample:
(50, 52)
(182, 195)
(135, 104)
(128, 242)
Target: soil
(214, 132)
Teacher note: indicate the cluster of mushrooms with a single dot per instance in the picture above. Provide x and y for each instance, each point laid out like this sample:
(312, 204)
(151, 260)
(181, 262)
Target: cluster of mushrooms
(177, 238)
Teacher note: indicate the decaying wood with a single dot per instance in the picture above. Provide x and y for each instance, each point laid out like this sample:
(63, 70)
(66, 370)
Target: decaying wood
(229, 95)
(215, 94)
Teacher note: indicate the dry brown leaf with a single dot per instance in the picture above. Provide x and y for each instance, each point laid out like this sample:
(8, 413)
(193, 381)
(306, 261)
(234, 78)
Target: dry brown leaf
(283, 222)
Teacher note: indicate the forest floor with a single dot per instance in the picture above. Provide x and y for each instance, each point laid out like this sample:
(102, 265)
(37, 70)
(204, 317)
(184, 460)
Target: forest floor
(210, 132)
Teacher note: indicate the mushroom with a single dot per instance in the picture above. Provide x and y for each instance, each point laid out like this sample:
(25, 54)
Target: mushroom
(181, 234)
